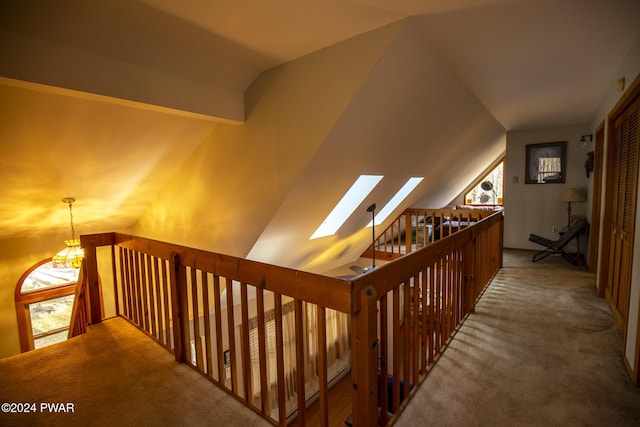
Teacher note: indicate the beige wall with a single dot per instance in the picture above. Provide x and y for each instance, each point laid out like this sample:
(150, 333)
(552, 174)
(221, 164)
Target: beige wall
(231, 186)
(534, 208)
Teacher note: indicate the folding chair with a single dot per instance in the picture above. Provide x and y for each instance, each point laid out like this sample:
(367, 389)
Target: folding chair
(558, 246)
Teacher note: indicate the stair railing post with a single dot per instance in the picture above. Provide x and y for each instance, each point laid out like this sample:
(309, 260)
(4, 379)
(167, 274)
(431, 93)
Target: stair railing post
(94, 290)
(364, 356)
(179, 308)
(470, 276)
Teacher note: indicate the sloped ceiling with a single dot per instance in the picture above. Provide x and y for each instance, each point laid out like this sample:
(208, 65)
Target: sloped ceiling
(107, 101)
(399, 125)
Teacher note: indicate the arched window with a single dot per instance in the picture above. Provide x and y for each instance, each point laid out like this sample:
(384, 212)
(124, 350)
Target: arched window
(44, 300)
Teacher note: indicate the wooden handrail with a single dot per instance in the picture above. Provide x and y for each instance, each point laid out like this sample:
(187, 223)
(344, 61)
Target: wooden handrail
(416, 228)
(402, 314)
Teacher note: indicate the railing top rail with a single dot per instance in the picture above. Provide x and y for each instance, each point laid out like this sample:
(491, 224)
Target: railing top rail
(452, 212)
(386, 277)
(297, 284)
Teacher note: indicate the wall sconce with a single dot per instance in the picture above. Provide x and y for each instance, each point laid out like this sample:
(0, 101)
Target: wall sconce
(620, 84)
(584, 139)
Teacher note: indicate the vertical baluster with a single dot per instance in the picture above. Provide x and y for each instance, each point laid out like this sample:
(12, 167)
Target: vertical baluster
(137, 292)
(166, 291)
(433, 317)
(300, 360)
(383, 390)
(232, 336)
(408, 233)
(454, 291)
(114, 274)
(439, 302)
(158, 291)
(152, 305)
(124, 283)
(196, 319)
(322, 364)
(406, 341)
(206, 317)
(424, 330)
(218, 316)
(144, 283)
(396, 349)
(282, 409)
(133, 298)
(446, 299)
(415, 294)
(262, 352)
(244, 346)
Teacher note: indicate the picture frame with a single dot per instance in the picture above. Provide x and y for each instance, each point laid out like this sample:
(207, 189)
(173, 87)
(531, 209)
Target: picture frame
(546, 163)
(227, 357)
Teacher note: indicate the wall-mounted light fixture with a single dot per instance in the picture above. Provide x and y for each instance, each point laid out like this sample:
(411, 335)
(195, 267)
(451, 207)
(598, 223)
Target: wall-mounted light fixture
(620, 84)
(584, 139)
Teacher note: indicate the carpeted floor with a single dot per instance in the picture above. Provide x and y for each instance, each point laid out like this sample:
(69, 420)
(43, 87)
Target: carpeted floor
(541, 350)
(113, 376)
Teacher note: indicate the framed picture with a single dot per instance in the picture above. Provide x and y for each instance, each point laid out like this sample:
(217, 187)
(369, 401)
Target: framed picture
(227, 357)
(546, 163)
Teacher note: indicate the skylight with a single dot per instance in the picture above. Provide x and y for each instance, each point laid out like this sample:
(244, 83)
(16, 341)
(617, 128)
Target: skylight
(402, 194)
(345, 207)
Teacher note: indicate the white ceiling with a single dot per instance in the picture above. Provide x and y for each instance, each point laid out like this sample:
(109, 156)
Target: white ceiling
(532, 63)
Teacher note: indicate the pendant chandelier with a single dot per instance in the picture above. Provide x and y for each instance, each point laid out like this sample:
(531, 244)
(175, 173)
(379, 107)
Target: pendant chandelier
(71, 256)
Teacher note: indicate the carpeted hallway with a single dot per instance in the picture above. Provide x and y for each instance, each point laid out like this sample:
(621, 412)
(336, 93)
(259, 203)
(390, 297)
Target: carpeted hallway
(541, 350)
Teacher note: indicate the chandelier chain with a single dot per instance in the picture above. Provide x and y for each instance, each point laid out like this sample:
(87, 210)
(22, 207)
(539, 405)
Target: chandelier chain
(73, 230)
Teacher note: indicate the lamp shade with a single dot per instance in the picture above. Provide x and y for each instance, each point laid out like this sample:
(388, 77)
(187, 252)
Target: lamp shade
(71, 256)
(572, 195)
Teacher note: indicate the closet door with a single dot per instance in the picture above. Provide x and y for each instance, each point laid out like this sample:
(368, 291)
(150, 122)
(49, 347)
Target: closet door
(625, 177)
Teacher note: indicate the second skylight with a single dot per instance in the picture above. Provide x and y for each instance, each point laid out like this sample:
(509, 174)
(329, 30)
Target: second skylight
(402, 194)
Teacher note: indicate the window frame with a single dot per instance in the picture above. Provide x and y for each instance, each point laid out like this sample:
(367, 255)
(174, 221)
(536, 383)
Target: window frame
(23, 300)
(482, 178)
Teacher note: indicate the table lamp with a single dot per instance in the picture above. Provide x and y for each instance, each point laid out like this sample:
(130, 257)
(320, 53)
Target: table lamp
(571, 195)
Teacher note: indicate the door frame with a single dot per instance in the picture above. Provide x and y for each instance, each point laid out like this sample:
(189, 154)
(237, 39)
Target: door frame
(630, 96)
(596, 205)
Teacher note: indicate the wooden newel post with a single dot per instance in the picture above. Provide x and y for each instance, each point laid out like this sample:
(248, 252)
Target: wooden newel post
(179, 309)
(93, 279)
(364, 356)
(470, 277)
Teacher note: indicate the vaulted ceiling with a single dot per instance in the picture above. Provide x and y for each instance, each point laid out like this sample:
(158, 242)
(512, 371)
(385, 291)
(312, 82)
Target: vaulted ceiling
(108, 101)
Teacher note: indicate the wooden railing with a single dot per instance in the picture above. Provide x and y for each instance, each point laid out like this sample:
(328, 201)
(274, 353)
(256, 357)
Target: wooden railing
(406, 311)
(260, 331)
(198, 305)
(417, 228)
